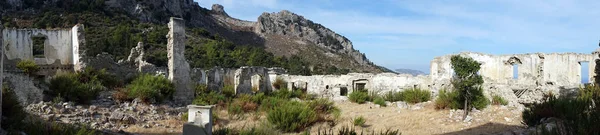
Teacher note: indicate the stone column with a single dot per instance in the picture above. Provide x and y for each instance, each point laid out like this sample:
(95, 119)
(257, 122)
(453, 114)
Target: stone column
(179, 69)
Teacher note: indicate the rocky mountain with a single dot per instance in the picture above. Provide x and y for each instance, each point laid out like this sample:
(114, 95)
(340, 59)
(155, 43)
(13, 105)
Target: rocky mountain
(409, 71)
(283, 33)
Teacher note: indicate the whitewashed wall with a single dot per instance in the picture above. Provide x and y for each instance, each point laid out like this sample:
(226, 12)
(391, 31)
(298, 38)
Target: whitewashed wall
(58, 46)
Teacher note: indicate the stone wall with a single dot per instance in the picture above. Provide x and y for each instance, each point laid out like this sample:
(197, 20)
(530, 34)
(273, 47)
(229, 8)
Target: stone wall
(562, 69)
(330, 85)
(61, 46)
(179, 69)
(252, 79)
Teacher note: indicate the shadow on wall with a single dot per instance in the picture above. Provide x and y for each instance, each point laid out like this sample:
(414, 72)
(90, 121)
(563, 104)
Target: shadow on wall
(489, 128)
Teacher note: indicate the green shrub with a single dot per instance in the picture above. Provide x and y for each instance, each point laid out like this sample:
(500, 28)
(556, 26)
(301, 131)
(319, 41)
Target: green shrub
(210, 98)
(69, 86)
(107, 80)
(148, 87)
(359, 97)
(416, 95)
(359, 121)
(393, 96)
(184, 117)
(380, 101)
(345, 130)
(283, 93)
(279, 83)
(11, 110)
(322, 105)
(271, 103)
(578, 115)
(235, 110)
(498, 100)
(229, 91)
(28, 66)
(447, 99)
(292, 116)
(201, 89)
(479, 101)
(262, 129)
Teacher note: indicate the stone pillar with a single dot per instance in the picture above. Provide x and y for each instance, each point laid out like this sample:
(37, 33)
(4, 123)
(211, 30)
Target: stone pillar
(179, 69)
(199, 119)
(78, 42)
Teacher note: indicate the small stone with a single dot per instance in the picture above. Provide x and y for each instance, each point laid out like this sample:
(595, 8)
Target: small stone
(146, 126)
(507, 119)
(468, 119)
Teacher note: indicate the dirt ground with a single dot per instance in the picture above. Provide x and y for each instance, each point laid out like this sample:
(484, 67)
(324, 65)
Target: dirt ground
(492, 120)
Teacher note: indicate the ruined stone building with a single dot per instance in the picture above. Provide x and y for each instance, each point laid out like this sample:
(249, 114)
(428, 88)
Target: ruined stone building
(520, 78)
(52, 49)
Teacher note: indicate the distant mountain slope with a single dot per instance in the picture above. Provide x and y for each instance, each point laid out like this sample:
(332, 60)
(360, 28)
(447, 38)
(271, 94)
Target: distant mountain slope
(409, 71)
(283, 33)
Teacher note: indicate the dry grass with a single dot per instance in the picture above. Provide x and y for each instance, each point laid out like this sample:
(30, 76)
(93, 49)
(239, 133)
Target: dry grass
(410, 122)
(425, 121)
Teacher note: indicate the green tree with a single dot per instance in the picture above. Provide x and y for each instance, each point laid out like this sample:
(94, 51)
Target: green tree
(467, 82)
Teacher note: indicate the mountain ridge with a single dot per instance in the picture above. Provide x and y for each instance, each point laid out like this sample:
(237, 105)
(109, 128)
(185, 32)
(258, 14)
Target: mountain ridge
(282, 33)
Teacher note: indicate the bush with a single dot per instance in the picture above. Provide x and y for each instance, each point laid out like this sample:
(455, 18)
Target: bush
(380, 101)
(416, 95)
(498, 100)
(107, 80)
(271, 103)
(28, 66)
(184, 117)
(359, 121)
(283, 93)
(393, 96)
(201, 89)
(210, 98)
(11, 110)
(69, 86)
(359, 97)
(447, 99)
(279, 83)
(292, 116)
(148, 87)
(322, 106)
(345, 130)
(229, 91)
(578, 115)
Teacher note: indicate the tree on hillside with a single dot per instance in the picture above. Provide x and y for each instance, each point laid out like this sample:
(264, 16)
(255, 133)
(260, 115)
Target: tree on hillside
(468, 83)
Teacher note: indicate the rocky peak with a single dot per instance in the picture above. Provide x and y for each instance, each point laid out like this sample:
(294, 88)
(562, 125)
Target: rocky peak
(218, 9)
(290, 24)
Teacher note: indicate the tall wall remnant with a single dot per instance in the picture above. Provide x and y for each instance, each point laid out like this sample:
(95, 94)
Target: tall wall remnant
(179, 69)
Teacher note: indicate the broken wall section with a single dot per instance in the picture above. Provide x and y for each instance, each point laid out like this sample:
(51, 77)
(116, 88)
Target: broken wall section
(52, 49)
(339, 86)
(179, 69)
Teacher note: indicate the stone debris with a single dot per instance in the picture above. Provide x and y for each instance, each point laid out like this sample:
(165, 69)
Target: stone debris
(114, 117)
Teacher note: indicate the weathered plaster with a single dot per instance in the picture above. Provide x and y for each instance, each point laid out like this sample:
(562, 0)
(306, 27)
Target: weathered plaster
(57, 48)
(179, 69)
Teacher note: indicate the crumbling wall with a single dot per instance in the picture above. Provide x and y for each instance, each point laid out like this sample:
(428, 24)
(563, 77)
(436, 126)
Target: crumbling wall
(216, 78)
(330, 85)
(538, 73)
(561, 69)
(57, 47)
(179, 69)
(249, 78)
(24, 87)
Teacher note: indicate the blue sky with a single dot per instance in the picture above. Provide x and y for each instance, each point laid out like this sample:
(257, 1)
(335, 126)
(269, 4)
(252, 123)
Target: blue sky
(410, 33)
